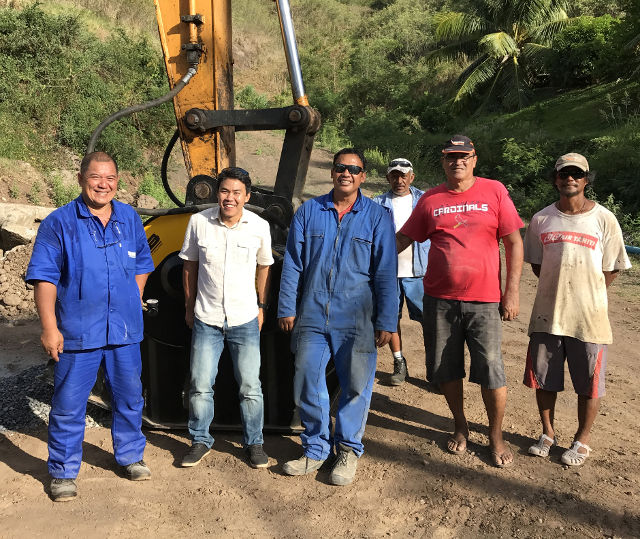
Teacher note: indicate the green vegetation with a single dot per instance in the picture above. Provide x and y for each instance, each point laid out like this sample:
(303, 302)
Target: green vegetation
(61, 194)
(506, 41)
(527, 80)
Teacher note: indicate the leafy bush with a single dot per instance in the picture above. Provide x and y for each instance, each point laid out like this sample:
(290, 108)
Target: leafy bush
(62, 194)
(249, 98)
(152, 186)
(586, 52)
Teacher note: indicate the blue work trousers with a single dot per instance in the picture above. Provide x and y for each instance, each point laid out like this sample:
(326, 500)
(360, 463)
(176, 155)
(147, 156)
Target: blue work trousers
(355, 369)
(207, 343)
(74, 376)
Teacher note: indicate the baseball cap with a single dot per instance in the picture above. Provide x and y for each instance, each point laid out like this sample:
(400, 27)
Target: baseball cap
(572, 160)
(401, 164)
(458, 144)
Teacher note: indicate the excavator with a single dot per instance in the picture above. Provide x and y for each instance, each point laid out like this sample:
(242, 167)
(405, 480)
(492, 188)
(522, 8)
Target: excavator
(196, 39)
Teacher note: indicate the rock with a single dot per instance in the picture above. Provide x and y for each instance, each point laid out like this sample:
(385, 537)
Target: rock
(147, 201)
(19, 223)
(12, 300)
(13, 234)
(125, 197)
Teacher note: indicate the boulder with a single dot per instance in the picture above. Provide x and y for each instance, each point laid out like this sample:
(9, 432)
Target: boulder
(19, 223)
(147, 201)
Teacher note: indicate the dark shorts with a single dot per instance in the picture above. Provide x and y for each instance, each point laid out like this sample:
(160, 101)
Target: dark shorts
(411, 289)
(545, 364)
(448, 325)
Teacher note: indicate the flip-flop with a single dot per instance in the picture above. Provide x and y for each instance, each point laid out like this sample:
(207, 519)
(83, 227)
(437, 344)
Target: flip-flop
(454, 442)
(497, 458)
(572, 457)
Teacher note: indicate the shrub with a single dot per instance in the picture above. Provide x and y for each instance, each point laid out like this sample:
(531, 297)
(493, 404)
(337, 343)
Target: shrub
(586, 52)
(62, 194)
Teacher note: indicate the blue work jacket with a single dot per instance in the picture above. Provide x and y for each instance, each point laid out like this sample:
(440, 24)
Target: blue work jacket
(420, 250)
(341, 274)
(94, 269)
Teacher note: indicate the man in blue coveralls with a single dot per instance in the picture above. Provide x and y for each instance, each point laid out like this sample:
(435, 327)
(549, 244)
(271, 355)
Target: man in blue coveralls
(338, 294)
(89, 266)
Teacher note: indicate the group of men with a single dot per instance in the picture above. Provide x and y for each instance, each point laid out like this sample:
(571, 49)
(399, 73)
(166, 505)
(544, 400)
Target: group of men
(350, 264)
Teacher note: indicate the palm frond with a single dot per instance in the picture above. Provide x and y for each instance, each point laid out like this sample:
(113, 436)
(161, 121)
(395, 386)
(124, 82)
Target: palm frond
(544, 33)
(534, 52)
(455, 26)
(484, 71)
(498, 44)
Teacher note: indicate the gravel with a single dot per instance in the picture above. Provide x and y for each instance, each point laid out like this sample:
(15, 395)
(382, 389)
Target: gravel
(26, 401)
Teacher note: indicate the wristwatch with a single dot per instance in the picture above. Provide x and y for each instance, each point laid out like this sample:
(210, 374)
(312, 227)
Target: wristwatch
(263, 306)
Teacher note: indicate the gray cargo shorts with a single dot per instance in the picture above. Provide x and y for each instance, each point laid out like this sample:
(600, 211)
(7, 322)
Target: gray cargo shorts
(447, 325)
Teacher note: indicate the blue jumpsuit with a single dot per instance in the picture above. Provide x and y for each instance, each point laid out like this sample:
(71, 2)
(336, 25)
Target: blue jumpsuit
(339, 281)
(99, 314)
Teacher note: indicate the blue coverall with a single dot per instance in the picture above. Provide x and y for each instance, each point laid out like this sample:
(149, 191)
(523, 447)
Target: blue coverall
(339, 281)
(99, 313)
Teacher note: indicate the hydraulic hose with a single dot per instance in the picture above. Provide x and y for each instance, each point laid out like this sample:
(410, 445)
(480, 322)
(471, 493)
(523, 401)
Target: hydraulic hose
(163, 170)
(137, 108)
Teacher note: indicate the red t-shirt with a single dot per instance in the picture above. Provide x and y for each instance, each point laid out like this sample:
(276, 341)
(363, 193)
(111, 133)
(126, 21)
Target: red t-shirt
(464, 229)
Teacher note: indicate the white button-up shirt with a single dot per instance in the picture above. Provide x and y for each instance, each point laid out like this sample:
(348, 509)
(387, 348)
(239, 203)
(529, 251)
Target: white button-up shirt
(227, 259)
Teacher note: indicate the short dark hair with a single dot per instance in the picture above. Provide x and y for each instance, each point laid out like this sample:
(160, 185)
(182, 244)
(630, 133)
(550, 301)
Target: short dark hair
(591, 177)
(351, 151)
(101, 157)
(235, 173)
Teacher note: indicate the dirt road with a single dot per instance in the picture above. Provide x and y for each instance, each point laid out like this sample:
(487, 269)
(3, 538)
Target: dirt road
(407, 484)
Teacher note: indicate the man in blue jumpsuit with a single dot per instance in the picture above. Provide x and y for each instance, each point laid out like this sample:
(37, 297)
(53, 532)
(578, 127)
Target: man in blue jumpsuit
(338, 294)
(89, 266)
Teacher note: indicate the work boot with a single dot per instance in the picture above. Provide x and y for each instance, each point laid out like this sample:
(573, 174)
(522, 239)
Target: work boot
(195, 454)
(63, 490)
(344, 470)
(301, 466)
(137, 471)
(257, 457)
(400, 371)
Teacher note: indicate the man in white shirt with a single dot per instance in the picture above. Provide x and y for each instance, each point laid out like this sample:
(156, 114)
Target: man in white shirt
(576, 249)
(412, 263)
(227, 255)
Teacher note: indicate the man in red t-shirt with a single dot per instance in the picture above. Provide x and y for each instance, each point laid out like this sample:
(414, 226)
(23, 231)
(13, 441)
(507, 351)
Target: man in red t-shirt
(465, 218)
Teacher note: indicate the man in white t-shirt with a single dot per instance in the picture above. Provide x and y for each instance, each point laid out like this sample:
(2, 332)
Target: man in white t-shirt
(412, 263)
(227, 255)
(576, 248)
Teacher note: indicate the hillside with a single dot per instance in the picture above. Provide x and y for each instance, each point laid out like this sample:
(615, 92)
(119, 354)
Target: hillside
(67, 65)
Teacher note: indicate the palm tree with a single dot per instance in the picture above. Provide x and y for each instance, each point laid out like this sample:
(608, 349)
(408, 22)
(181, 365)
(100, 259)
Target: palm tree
(506, 41)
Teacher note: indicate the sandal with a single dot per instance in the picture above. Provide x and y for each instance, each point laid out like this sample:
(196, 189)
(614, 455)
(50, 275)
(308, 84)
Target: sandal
(572, 457)
(541, 449)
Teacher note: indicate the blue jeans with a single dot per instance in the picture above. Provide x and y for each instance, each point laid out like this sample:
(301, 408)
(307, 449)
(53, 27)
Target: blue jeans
(355, 363)
(207, 343)
(74, 376)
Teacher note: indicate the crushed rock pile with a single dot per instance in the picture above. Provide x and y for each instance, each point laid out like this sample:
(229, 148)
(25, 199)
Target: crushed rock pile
(16, 296)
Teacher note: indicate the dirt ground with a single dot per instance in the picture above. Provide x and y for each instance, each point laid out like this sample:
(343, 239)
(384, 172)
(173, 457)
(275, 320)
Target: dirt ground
(407, 484)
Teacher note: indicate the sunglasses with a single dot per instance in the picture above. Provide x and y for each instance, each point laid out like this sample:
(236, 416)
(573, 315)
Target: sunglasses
(577, 175)
(354, 170)
(400, 163)
(452, 158)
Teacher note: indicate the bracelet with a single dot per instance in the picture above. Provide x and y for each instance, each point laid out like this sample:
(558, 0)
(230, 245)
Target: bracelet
(263, 306)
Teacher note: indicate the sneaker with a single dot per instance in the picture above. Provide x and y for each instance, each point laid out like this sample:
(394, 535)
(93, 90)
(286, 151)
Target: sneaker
(137, 471)
(400, 371)
(301, 466)
(195, 454)
(344, 470)
(257, 457)
(63, 490)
